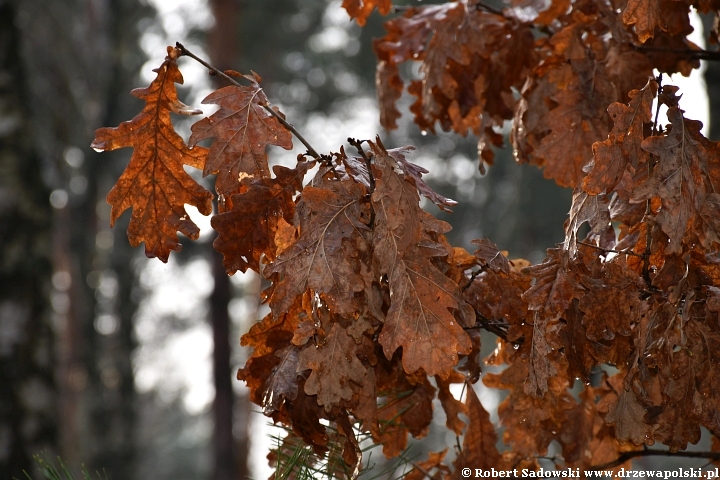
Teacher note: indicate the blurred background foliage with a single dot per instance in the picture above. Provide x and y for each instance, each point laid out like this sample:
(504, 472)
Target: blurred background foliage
(123, 363)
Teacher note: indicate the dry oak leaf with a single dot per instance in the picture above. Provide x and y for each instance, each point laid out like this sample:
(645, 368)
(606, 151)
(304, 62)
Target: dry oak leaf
(406, 406)
(490, 256)
(242, 129)
(469, 58)
(282, 382)
(248, 230)
(155, 184)
(415, 172)
(479, 450)
(612, 302)
(667, 15)
(540, 368)
(271, 364)
(623, 145)
(423, 301)
(451, 406)
(553, 290)
(680, 178)
(360, 10)
(576, 123)
(324, 257)
(585, 208)
(333, 366)
(434, 462)
(627, 414)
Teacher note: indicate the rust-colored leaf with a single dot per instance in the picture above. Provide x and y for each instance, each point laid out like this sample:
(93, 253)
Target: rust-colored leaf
(242, 130)
(553, 289)
(490, 256)
(433, 463)
(155, 184)
(451, 406)
(427, 311)
(470, 61)
(360, 10)
(627, 415)
(333, 366)
(680, 178)
(332, 223)
(623, 145)
(248, 230)
(479, 450)
(649, 15)
(612, 303)
(585, 208)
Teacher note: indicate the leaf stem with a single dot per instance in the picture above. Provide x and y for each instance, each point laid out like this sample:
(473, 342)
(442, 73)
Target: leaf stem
(310, 150)
(648, 204)
(358, 145)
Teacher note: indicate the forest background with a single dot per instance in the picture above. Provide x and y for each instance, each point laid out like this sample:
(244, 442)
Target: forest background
(126, 364)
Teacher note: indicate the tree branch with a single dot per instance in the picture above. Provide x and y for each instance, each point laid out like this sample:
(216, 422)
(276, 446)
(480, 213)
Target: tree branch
(310, 150)
(691, 54)
(498, 327)
(625, 456)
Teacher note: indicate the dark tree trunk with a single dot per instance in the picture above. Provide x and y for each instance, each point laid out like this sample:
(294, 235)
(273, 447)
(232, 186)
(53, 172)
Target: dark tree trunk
(230, 453)
(226, 462)
(27, 388)
(74, 62)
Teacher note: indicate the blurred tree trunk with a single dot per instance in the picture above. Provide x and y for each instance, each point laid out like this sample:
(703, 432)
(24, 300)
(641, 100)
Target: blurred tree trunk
(27, 389)
(230, 453)
(78, 59)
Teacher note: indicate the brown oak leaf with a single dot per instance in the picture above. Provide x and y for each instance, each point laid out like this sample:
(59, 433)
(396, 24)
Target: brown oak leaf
(242, 129)
(553, 289)
(623, 145)
(333, 366)
(434, 462)
(470, 61)
(627, 414)
(490, 256)
(667, 15)
(479, 450)
(155, 184)
(680, 178)
(451, 406)
(612, 303)
(423, 301)
(592, 209)
(248, 230)
(332, 223)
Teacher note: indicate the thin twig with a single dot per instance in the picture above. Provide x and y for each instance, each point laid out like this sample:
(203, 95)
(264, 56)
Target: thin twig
(625, 456)
(473, 277)
(184, 51)
(609, 250)
(692, 54)
(401, 8)
(488, 8)
(285, 124)
(358, 145)
(498, 327)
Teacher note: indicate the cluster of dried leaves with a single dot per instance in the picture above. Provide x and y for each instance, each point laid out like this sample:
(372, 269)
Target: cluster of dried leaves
(374, 314)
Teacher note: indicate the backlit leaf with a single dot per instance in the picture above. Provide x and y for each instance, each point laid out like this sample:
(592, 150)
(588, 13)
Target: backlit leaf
(155, 184)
